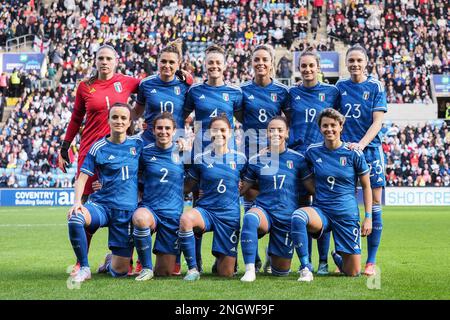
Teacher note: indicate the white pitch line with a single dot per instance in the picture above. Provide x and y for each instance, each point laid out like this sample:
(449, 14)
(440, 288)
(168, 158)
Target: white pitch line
(32, 225)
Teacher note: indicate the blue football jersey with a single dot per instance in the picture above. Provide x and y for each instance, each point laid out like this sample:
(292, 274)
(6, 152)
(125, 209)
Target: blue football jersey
(305, 105)
(260, 104)
(158, 96)
(163, 177)
(116, 166)
(209, 102)
(336, 176)
(218, 179)
(358, 103)
(279, 179)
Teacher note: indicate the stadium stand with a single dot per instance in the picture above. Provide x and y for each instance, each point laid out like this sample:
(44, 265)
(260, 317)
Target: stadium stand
(406, 42)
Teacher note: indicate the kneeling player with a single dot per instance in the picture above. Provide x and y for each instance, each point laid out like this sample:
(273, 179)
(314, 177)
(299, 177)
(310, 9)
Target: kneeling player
(278, 171)
(115, 158)
(217, 173)
(162, 202)
(335, 208)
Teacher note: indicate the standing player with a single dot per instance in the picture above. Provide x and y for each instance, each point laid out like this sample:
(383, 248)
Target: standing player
(263, 99)
(363, 102)
(306, 101)
(92, 103)
(163, 92)
(208, 100)
(115, 158)
(336, 171)
(278, 171)
(217, 173)
(162, 202)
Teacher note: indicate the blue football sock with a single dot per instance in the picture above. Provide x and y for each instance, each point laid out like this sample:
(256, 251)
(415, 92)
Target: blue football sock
(143, 243)
(310, 241)
(299, 235)
(187, 244)
(373, 240)
(337, 260)
(178, 259)
(114, 273)
(78, 238)
(323, 245)
(198, 247)
(249, 237)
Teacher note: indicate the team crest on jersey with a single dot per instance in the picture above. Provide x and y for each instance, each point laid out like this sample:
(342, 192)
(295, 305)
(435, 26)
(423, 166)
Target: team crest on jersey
(366, 95)
(322, 97)
(274, 97)
(92, 90)
(233, 165)
(226, 96)
(343, 161)
(177, 90)
(118, 87)
(290, 164)
(133, 151)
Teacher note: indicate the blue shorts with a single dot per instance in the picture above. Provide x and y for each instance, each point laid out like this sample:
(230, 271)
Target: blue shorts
(346, 233)
(120, 227)
(376, 161)
(166, 229)
(226, 236)
(280, 241)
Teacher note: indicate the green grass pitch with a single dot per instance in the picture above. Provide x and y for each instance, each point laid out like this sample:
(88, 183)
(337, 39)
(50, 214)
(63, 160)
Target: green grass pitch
(35, 252)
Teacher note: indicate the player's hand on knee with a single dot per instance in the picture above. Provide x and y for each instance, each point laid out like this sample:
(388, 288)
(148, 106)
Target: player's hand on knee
(366, 228)
(76, 209)
(96, 185)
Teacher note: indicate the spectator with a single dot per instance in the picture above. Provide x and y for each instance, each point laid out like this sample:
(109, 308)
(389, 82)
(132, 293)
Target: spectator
(3, 180)
(15, 83)
(4, 84)
(2, 105)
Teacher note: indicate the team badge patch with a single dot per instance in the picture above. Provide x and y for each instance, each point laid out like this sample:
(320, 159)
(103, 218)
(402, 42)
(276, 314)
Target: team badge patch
(290, 164)
(366, 95)
(274, 97)
(343, 161)
(133, 151)
(118, 87)
(322, 97)
(177, 90)
(226, 96)
(233, 165)
(92, 90)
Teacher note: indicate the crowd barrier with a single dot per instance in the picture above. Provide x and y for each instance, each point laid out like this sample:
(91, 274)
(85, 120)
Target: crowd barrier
(403, 196)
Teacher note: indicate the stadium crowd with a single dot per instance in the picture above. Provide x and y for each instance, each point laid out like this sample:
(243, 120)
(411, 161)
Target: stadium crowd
(406, 41)
(410, 41)
(417, 156)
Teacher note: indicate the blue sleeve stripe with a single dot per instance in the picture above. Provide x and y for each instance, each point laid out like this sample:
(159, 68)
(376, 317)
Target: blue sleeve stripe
(191, 176)
(380, 109)
(89, 173)
(364, 172)
(309, 175)
(248, 179)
